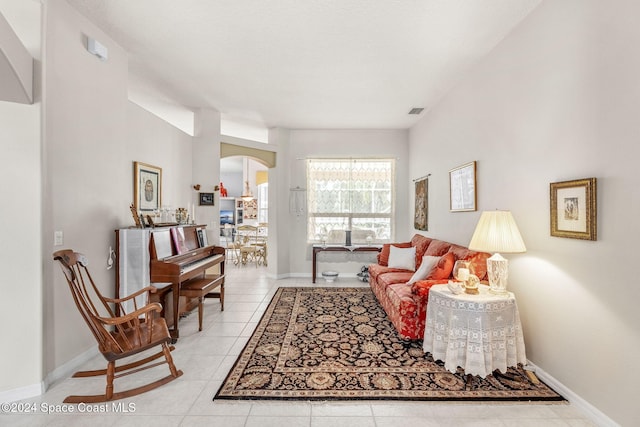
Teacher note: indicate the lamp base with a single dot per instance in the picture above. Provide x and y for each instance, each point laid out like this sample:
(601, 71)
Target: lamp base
(498, 271)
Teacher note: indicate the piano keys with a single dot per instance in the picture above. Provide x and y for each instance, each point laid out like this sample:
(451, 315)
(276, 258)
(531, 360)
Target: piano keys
(164, 265)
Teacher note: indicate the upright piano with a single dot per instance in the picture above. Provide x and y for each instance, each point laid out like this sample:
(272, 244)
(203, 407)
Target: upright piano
(173, 256)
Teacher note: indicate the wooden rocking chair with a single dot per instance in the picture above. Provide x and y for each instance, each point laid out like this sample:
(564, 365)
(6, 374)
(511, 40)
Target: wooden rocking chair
(118, 336)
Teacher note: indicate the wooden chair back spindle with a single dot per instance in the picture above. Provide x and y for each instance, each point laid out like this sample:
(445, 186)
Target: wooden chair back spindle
(117, 336)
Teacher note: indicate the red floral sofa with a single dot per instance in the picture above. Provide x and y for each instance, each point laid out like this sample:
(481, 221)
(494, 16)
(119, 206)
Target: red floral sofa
(406, 304)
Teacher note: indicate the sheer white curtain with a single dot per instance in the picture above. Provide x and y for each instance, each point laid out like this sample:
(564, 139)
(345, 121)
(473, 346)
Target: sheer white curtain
(263, 203)
(350, 194)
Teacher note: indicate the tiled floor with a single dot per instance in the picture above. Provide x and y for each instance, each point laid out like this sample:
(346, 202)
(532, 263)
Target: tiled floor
(206, 357)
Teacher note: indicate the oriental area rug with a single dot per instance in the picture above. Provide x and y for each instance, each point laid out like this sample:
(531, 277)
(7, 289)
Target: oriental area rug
(337, 343)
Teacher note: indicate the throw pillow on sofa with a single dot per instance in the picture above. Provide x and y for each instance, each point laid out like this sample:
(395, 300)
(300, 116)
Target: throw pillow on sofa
(404, 258)
(428, 263)
(443, 268)
(383, 257)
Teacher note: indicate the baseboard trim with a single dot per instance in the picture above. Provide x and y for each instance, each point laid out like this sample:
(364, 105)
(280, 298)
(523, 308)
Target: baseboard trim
(297, 275)
(60, 373)
(66, 370)
(590, 411)
(20, 393)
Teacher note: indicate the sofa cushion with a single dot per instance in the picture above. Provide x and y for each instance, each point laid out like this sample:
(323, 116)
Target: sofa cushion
(443, 268)
(376, 269)
(478, 260)
(421, 243)
(402, 258)
(383, 256)
(438, 248)
(394, 277)
(427, 264)
(421, 287)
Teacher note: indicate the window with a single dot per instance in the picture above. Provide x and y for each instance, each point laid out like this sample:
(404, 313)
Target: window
(263, 203)
(350, 194)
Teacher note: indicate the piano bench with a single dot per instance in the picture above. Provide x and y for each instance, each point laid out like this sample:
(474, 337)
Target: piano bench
(201, 288)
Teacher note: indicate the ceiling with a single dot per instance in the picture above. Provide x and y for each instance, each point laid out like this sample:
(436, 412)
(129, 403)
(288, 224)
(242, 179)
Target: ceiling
(301, 64)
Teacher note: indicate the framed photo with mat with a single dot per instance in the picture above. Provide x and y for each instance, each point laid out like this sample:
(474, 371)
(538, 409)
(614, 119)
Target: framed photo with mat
(574, 209)
(147, 187)
(462, 188)
(206, 199)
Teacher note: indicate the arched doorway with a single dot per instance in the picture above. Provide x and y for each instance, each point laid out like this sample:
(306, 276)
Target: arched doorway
(244, 171)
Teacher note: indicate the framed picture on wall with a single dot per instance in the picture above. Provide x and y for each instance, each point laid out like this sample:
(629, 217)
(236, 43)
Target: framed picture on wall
(462, 188)
(147, 184)
(206, 199)
(421, 215)
(573, 209)
(250, 209)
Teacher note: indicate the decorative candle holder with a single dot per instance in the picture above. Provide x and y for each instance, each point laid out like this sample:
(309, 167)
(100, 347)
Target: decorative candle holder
(471, 285)
(182, 216)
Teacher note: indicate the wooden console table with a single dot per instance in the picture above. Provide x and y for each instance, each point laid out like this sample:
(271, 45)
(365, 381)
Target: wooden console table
(339, 248)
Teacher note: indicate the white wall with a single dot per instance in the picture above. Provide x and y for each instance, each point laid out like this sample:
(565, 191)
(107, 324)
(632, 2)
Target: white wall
(92, 135)
(557, 100)
(84, 131)
(233, 183)
(152, 140)
(21, 301)
(20, 225)
(305, 144)
(20, 228)
(205, 169)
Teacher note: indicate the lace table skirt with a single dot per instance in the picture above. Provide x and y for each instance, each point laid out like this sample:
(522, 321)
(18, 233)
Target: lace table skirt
(479, 333)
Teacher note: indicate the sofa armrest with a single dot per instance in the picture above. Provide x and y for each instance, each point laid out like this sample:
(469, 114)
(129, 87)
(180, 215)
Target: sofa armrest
(421, 287)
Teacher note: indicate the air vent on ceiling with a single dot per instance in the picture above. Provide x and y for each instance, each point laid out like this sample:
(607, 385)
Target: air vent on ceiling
(416, 110)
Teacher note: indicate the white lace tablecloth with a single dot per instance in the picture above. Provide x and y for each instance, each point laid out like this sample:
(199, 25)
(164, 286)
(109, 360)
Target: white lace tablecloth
(480, 333)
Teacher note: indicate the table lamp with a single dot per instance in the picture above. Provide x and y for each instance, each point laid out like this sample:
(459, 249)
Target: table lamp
(497, 232)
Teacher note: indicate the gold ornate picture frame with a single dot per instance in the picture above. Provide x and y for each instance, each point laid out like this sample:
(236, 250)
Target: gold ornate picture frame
(462, 188)
(147, 185)
(574, 209)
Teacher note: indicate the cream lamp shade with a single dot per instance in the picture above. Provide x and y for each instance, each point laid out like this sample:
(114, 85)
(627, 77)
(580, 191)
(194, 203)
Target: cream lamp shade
(497, 232)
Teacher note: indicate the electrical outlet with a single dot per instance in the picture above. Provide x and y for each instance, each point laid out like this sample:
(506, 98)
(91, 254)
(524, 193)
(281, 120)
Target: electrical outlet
(58, 238)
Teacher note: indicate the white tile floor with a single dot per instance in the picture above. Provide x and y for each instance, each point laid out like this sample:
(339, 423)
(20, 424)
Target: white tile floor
(206, 357)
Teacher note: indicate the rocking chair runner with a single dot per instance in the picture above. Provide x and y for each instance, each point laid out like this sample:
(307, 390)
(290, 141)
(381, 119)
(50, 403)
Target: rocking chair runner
(118, 337)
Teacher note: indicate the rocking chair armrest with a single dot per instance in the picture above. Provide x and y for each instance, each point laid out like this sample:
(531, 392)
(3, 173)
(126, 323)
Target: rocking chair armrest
(149, 289)
(154, 306)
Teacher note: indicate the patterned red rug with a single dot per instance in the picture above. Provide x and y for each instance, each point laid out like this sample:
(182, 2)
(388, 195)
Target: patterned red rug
(337, 343)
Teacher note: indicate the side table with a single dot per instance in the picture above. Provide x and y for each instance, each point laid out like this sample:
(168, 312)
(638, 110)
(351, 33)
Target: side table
(339, 248)
(480, 333)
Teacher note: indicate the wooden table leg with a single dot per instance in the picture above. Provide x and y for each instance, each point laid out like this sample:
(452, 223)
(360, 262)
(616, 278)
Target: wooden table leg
(175, 333)
(313, 263)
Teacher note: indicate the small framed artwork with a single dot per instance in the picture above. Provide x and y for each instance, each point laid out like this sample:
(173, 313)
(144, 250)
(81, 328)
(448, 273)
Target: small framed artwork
(147, 184)
(573, 209)
(250, 209)
(206, 199)
(421, 215)
(462, 188)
